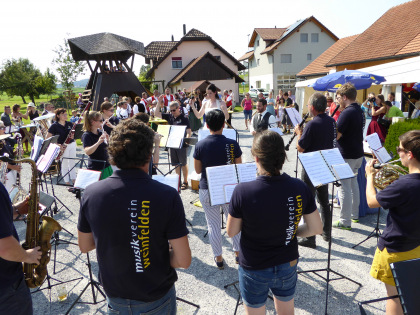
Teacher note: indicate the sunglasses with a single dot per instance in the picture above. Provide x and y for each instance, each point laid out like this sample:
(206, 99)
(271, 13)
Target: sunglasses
(174, 110)
(401, 150)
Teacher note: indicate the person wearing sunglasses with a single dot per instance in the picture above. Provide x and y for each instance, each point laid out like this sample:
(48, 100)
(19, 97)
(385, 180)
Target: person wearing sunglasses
(400, 240)
(176, 117)
(95, 143)
(107, 110)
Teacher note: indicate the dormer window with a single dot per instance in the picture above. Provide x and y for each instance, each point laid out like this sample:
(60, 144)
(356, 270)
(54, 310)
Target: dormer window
(176, 62)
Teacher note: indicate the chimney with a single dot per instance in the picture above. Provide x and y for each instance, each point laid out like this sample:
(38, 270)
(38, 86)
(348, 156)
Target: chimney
(172, 37)
(185, 29)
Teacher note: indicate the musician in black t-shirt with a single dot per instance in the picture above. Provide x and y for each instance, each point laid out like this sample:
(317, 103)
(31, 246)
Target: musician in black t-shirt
(319, 134)
(269, 250)
(62, 128)
(137, 226)
(107, 110)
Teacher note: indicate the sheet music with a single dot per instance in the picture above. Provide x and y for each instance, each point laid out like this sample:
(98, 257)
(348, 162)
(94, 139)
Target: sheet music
(176, 136)
(164, 131)
(228, 133)
(276, 129)
(374, 141)
(318, 172)
(343, 171)
(229, 191)
(170, 180)
(294, 116)
(36, 147)
(333, 156)
(217, 178)
(382, 155)
(45, 162)
(246, 172)
(86, 177)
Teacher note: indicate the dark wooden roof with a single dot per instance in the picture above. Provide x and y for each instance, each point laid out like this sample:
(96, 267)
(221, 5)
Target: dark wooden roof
(205, 67)
(192, 35)
(104, 46)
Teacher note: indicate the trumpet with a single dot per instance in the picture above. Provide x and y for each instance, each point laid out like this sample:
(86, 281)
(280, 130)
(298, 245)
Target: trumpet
(380, 165)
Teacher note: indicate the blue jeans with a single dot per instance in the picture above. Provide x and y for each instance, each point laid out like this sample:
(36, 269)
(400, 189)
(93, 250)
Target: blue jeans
(255, 284)
(16, 299)
(248, 114)
(165, 305)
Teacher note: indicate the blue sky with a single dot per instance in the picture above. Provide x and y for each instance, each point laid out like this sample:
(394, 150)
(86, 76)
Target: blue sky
(32, 29)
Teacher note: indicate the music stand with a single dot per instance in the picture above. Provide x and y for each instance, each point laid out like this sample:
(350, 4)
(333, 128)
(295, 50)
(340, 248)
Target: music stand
(375, 233)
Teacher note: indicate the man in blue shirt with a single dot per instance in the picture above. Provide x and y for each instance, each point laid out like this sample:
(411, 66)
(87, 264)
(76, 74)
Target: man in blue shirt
(319, 134)
(350, 126)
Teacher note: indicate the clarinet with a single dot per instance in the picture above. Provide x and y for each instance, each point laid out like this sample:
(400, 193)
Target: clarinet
(68, 139)
(294, 135)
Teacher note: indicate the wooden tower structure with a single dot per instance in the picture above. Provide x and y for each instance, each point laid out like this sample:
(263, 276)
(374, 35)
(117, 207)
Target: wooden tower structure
(111, 73)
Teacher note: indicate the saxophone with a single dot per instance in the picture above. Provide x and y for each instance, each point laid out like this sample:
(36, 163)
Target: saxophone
(36, 235)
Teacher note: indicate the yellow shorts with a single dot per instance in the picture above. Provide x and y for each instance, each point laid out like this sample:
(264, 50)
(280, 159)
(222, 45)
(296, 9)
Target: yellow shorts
(380, 266)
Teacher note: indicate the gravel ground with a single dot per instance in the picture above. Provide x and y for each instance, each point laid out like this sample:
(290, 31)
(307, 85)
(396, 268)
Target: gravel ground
(203, 283)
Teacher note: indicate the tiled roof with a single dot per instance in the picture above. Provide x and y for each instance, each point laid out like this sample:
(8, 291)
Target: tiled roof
(318, 65)
(195, 33)
(101, 45)
(268, 34)
(191, 65)
(394, 33)
(158, 49)
(247, 56)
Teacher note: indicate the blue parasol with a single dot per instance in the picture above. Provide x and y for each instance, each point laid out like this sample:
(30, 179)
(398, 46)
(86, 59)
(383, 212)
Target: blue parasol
(417, 86)
(361, 80)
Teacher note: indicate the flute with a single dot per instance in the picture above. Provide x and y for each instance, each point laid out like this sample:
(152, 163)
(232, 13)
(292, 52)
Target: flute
(379, 165)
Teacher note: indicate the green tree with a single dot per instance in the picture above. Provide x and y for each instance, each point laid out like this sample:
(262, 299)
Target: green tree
(142, 76)
(46, 84)
(21, 78)
(67, 68)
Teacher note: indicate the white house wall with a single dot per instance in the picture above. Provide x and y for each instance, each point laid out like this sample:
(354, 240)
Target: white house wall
(189, 50)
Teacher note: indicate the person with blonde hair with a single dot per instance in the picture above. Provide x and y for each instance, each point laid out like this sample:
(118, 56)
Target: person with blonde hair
(95, 143)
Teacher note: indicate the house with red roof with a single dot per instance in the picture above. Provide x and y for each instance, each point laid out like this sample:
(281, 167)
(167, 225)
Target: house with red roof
(278, 54)
(194, 59)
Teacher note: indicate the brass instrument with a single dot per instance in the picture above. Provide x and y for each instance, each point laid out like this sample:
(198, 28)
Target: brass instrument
(43, 123)
(3, 170)
(387, 174)
(17, 193)
(36, 235)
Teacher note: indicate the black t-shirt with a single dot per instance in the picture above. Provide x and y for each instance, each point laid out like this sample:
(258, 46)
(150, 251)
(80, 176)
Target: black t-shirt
(60, 130)
(131, 225)
(181, 120)
(270, 209)
(32, 116)
(101, 152)
(319, 134)
(10, 271)
(215, 150)
(402, 232)
(350, 124)
(114, 121)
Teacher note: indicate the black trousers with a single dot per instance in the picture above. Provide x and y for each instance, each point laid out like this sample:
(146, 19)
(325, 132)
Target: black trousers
(321, 193)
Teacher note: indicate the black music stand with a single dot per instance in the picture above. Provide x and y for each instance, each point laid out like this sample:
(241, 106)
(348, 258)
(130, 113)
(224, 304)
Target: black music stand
(81, 162)
(328, 269)
(375, 233)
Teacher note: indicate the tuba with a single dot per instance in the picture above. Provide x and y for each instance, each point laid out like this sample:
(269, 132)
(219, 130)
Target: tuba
(36, 235)
(43, 123)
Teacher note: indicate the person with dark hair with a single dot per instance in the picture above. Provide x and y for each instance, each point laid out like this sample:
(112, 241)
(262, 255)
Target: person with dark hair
(350, 127)
(212, 102)
(391, 98)
(6, 147)
(15, 297)
(139, 107)
(393, 111)
(194, 101)
(378, 111)
(142, 117)
(229, 105)
(268, 253)
(287, 123)
(139, 237)
(178, 156)
(107, 110)
(5, 117)
(95, 143)
(263, 119)
(62, 128)
(247, 106)
(400, 240)
(215, 150)
(319, 134)
(49, 109)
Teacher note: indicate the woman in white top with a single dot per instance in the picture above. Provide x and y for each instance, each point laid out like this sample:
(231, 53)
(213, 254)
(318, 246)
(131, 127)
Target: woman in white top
(212, 102)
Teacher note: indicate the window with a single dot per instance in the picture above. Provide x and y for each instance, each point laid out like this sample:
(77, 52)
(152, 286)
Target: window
(258, 62)
(217, 57)
(309, 57)
(286, 58)
(176, 62)
(257, 43)
(286, 81)
(314, 37)
(304, 37)
(250, 63)
(258, 84)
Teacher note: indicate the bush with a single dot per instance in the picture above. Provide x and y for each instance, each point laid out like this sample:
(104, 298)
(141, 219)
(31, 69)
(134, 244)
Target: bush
(396, 130)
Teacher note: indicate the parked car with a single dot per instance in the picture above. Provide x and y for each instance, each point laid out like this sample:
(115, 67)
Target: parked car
(254, 93)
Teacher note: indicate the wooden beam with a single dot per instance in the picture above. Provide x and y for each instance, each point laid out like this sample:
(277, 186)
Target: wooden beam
(90, 67)
(132, 62)
(126, 66)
